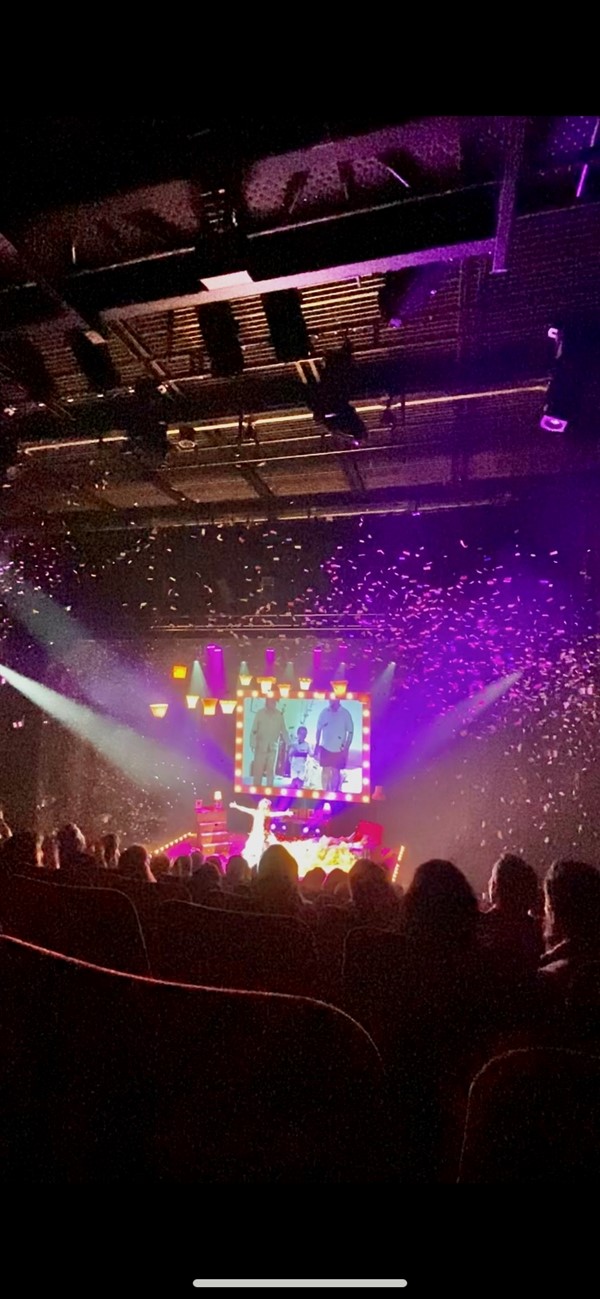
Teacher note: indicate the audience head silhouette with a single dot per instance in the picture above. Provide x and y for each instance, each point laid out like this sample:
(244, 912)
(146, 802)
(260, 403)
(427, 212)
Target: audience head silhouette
(439, 906)
(71, 845)
(134, 864)
(572, 903)
(513, 885)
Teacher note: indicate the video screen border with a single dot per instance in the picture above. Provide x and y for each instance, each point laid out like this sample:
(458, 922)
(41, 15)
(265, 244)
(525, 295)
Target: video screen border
(276, 791)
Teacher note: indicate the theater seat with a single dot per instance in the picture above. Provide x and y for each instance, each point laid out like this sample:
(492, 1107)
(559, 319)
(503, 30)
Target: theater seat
(113, 1078)
(99, 925)
(534, 1116)
(230, 949)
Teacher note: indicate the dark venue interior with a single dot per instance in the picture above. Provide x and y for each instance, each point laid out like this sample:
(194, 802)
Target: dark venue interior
(299, 633)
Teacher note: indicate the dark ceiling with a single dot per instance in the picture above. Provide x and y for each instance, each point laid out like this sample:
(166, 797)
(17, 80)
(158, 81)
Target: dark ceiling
(233, 285)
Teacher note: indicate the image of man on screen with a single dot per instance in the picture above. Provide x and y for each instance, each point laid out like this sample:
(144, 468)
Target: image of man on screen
(335, 730)
(268, 731)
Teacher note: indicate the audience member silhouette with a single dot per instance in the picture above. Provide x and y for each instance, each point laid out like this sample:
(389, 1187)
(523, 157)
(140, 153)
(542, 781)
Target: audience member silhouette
(572, 922)
(205, 883)
(238, 875)
(50, 858)
(509, 930)
(5, 830)
(374, 901)
(110, 851)
(182, 867)
(160, 865)
(134, 864)
(336, 889)
(21, 854)
(72, 850)
(312, 883)
(276, 886)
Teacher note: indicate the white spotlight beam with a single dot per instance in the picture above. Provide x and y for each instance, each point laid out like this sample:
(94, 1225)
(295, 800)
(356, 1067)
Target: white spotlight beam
(146, 763)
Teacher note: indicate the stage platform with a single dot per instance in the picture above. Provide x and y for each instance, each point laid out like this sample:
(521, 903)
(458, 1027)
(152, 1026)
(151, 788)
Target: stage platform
(308, 852)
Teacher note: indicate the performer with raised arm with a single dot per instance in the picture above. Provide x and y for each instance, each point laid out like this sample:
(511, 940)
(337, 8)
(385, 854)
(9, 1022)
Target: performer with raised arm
(260, 837)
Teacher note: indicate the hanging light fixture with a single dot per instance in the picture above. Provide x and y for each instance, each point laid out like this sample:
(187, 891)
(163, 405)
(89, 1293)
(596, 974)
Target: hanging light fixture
(209, 707)
(228, 706)
(266, 684)
(191, 701)
(245, 679)
(339, 688)
(159, 710)
(284, 689)
(305, 682)
(179, 672)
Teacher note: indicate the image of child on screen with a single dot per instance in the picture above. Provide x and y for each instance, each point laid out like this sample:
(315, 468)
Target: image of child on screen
(268, 732)
(335, 731)
(298, 754)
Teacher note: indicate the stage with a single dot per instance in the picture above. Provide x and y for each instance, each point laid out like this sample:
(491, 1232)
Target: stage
(313, 847)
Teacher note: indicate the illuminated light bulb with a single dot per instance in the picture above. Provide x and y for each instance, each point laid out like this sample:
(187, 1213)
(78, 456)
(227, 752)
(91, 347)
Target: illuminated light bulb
(396, 871)
(228, 706)
(304, 682)
(191, 700)
(179, 672)
(209, 707)
(159, 710)
(217, 796)
(339, 688)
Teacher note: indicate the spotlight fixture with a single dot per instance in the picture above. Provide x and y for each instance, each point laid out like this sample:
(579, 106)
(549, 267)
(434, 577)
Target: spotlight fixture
(179, 672)
(228, 706)
(329, 399)
(146, 425)
(209, 707)
(339, 689)
(403, 293)
(8, 449)
(92, 354)
(266, 684)
(304, 683)
(220, 330)
(191, 701)
(573, 396)
(245, 679)
(159, 710)
(287, 326)
(186, 440)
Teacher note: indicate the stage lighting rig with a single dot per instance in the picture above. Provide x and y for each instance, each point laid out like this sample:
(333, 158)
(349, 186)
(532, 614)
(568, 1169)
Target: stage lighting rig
(8, 447)
(403, 293)
(329, 399)
(573, 396)
(146, 423)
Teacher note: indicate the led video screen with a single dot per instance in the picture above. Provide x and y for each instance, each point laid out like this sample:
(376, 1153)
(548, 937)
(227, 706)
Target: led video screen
(307, 745)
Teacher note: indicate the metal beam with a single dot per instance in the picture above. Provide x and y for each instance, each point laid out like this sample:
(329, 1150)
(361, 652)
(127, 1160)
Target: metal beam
(248, 288)
(249, 472)
(136, 348)
(353, 474)
(397, 500)
(508, 193)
